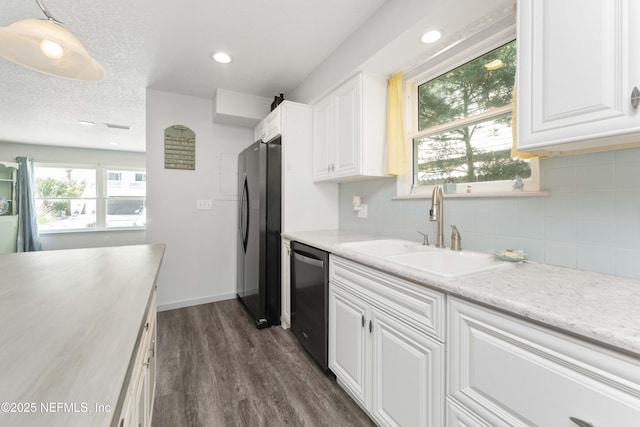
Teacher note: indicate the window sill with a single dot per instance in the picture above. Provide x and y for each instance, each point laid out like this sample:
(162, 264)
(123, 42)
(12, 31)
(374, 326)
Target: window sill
(513, 194)
(92, 230)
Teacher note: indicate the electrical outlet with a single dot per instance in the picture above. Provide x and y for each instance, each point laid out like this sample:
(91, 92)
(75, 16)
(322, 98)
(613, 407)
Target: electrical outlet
(204, 205)
(362, 212)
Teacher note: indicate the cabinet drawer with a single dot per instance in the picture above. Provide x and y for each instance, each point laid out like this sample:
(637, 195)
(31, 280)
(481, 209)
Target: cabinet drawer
(423, 308)
(513, 373)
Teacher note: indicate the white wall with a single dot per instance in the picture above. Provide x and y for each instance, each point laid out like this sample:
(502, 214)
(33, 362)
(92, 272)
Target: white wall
(200, 260)
(81, 239)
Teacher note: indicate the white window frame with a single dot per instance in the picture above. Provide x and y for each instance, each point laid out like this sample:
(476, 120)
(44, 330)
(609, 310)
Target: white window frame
(101, 194)
(437, 65)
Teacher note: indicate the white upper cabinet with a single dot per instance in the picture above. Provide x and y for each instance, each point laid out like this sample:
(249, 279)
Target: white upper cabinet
(349, 136)
(578, 64)
(269, 127)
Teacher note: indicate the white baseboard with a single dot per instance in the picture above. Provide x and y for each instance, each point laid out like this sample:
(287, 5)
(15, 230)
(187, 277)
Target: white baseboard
(196, 301)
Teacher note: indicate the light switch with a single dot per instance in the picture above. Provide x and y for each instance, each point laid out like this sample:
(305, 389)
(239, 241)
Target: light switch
(363, 211)
(204, 205)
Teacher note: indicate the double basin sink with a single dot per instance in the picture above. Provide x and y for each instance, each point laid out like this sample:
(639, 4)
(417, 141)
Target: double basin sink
(439, 261)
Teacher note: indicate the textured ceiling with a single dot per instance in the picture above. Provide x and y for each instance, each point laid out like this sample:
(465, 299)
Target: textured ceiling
(165, 45)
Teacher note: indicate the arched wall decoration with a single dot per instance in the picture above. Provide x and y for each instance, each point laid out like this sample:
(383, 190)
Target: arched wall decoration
(179, 148)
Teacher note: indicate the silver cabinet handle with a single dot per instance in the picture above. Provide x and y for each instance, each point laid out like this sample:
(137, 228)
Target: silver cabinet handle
(333, 167)
(370, 326)
(329, 167)
(580, 423)
(363, 320)
(635, 98)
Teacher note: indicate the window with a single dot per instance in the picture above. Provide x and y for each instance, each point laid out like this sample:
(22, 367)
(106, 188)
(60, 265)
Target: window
(463, 129)
(126, 201)
(71, 197)
(114, 176)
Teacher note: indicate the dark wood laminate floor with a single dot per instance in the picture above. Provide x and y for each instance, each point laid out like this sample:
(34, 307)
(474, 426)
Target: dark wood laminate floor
(216, 369)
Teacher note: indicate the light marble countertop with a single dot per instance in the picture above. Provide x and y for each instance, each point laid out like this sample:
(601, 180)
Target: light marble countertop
(70, 320)
(591, 305)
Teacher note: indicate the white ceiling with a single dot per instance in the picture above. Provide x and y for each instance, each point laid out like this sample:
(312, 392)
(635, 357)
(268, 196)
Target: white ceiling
(165, 45)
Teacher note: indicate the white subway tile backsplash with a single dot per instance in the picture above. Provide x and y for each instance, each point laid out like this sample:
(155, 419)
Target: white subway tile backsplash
(596, 158)
(626, 263)
(562, 254)
(595, 204)
(531, 226)
(534, 248)
(559, 229)
(481, 242)
(590, 220)
(630, 155)
(596, 231)
(483, 215)
(596, 258)
(561, 205)
(596, 177)
(627, 234)
(627, 176)
(533, 206)
(558, 162)
(560, 179)
(506, 242)
(627, 204)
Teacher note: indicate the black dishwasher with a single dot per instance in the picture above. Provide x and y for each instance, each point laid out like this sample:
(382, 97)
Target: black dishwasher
(310, 300)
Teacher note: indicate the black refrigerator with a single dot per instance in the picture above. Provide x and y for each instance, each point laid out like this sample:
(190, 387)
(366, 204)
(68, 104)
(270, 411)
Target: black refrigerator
(259, 219)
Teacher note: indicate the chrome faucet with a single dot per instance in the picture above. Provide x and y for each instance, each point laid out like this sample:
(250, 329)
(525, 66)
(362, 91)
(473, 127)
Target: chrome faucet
(436, 213)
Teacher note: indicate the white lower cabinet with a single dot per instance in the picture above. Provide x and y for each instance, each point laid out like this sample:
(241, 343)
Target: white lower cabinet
(379, 349)
(408, 374)
(137, 406)
(503, 371)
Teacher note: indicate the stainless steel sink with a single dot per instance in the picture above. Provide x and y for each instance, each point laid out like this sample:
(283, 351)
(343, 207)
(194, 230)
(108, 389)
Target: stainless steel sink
(439, 261)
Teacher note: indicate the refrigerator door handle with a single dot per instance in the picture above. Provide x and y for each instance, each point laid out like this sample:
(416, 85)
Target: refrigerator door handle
(244, 214)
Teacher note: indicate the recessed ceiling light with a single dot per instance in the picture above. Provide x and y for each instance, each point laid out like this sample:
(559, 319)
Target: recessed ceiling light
(113, 143)
(220, 57)
(86, 122)
(496, 64)
(117, 126)
(431, 36)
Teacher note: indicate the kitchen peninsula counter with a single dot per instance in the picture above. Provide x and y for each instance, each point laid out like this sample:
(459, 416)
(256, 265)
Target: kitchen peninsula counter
(593, 306)
(70, 324)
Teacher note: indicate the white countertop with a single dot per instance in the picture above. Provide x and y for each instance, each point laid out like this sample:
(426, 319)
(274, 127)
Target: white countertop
(70, 320)
(591, 305)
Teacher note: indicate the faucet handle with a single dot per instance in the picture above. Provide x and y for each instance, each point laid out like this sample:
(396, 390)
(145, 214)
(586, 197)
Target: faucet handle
(425, 238)
(455, 239)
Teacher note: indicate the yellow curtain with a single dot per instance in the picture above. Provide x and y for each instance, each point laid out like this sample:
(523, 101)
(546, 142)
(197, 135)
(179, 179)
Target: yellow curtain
(514, 151)
(396, 150)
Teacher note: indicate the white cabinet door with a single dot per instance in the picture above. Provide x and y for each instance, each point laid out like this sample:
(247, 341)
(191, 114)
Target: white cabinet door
(408, 383)
(273, 124)
(322, 139)
(348, 107)
(349, 137)
(575, 80)
(512, 373)
(348, 343)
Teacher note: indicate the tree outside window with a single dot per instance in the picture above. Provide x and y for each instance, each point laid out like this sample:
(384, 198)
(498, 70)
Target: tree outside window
(464, 123)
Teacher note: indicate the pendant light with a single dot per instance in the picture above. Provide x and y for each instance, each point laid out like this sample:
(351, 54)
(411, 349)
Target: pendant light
(44, 45)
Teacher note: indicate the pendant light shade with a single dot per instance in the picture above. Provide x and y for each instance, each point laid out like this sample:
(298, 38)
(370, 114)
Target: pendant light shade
(44, 45)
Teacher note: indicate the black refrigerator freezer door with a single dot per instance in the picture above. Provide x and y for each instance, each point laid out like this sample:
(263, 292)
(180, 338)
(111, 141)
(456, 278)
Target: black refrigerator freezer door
(258, 286)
